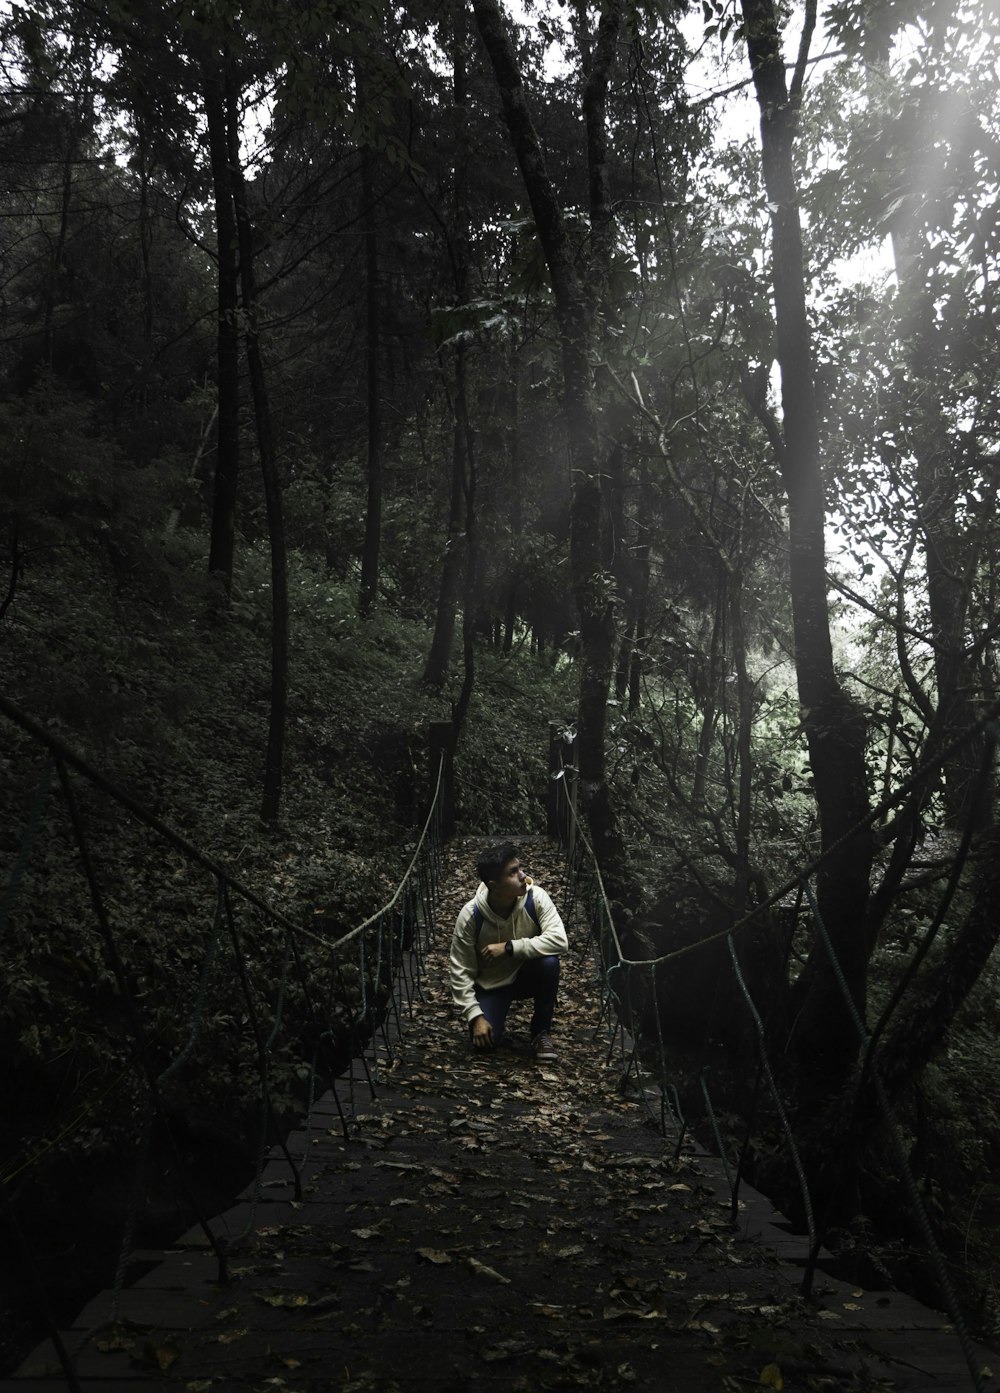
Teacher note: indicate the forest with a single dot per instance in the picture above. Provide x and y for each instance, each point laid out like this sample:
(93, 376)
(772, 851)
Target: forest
(628, 366)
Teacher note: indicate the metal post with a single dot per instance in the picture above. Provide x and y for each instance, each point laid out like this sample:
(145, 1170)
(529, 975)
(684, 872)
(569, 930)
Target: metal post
(562, 787)
(442, 742)
(552, 799)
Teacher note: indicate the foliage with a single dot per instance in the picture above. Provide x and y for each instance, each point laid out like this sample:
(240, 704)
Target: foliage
(112, 632)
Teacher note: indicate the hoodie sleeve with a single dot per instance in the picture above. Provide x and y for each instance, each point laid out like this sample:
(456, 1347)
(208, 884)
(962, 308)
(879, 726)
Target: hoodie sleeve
(463, 964)
(550, 938)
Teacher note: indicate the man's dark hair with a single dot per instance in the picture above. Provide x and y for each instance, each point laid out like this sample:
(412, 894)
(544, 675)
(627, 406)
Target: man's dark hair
(492, 860)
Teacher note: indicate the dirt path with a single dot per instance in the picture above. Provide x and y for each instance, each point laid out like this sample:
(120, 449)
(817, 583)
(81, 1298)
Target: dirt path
(493, 1221)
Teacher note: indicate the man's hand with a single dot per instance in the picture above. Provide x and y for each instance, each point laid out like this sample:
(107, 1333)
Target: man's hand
(482, 1033)
(493, 950)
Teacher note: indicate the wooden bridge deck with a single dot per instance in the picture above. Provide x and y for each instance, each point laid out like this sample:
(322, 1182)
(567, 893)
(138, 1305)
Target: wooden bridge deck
(497, 1222)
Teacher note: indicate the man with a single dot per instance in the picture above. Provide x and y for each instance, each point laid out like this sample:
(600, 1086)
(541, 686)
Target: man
(505, 948)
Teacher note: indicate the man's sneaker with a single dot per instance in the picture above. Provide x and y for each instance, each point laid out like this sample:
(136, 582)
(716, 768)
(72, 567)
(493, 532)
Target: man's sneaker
(544, 1047)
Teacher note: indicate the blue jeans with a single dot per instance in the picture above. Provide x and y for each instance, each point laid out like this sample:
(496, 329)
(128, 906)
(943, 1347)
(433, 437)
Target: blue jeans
(539, 979)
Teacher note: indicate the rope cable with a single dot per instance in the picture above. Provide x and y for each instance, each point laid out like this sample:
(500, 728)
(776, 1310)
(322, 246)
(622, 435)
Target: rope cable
(968, 831)
(128, 1002)
(772, 1085)
(68, 756)
(416, 893)
(902, 1160)
(810, 868)
(802, 881)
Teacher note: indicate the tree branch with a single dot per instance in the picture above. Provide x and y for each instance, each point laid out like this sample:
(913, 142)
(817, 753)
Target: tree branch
(798, 76)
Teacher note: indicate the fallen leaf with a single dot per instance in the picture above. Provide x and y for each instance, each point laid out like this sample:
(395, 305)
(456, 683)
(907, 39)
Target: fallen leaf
(506, 1349)
(228, 1336)
(549, 1312)
(284, 1298)
(481, 1269)
(770, 1377)
(160, 1355)
(113, 1342)
(435, 1255)
(633, 1313)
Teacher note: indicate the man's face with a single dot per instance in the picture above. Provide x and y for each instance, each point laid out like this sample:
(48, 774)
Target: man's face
(510, 885)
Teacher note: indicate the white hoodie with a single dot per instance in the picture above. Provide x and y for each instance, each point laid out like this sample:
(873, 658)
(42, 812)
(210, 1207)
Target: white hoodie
(466, 966)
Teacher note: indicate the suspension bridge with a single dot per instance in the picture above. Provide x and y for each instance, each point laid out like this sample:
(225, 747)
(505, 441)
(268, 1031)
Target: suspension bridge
(440, 1218)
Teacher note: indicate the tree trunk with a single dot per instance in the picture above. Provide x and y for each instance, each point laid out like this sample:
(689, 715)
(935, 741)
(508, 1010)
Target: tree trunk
(470, 604)
(274, 761)
(709, 705)
(640, 641)
(516, 515)
(145, 250)
(744, 747)
(439, 657)
(920, 1028)
(373, 513)
(592, 586)
(948, 563)
(73, 132)
(834, 726)
(222, 539)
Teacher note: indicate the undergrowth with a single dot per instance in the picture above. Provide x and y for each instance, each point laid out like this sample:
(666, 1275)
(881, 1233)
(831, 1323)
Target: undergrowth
(161, 684)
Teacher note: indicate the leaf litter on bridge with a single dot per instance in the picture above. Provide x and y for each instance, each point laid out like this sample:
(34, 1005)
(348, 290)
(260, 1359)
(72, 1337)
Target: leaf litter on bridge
(488, 1220)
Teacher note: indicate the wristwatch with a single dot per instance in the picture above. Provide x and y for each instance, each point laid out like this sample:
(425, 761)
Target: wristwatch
(508, 948)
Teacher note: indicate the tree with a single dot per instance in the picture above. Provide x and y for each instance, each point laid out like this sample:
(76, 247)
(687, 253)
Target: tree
(222, 536)
(833, 722)
(373, 509)
(461, 515)
(576, 305)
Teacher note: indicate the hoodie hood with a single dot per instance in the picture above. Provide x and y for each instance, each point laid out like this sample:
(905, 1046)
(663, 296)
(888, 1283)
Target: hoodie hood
(482, 901)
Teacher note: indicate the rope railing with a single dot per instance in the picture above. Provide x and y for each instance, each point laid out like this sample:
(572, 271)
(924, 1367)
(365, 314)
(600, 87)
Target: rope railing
(282, 1007)
(628, 1010)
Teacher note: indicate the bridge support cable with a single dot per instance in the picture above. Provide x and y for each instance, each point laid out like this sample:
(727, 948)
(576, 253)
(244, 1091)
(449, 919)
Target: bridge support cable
(793, 1150)
(264, 1046)
(984, 778)
(900, 1155)
(301, 995)
(615, 972)
(127, 998)
(751, 1111)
